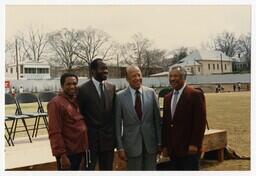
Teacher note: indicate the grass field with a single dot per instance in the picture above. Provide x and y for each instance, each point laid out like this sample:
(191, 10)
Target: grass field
(229, 111)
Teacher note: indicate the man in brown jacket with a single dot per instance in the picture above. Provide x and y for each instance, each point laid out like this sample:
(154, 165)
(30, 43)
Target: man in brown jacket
(184, 121)
(67, 130)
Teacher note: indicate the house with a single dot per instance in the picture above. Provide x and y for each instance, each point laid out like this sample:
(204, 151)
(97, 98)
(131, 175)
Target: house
(240, 64)
(27, 70)
(205, 62)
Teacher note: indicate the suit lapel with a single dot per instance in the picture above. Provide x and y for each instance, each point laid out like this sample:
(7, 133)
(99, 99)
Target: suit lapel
(144, 101)
(130, 106)
(180, 102)
(107, 92)
(94, 91)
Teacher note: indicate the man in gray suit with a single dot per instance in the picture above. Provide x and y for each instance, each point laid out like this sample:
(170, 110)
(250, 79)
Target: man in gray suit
(137, 123)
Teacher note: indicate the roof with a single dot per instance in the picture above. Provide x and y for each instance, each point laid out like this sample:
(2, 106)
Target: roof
(160, 74)
(199, 55)
(30, 62)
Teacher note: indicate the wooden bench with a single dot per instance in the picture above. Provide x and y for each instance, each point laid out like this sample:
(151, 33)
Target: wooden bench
(215, 140)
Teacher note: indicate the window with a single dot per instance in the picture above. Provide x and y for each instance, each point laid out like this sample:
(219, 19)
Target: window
(217, 66)
(225, 67)
(198, 69)
(6, 70)
(213, 66)
(209, 67)
(42, 70)
(11, 70)
(30, 70)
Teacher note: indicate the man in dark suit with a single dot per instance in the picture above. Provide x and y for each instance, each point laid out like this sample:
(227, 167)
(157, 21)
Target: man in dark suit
(184, 121)
(96, 98)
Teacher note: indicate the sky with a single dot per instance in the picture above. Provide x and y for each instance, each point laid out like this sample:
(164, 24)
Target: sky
(168, 26)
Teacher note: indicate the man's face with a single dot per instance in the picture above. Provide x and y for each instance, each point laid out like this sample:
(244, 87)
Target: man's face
(101, 73)
(134, 78)
(70, 86)
(176, 79)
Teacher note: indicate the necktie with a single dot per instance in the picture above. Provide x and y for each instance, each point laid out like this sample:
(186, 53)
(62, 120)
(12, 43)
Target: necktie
(175, 98)
(102, 95)
(138, 104)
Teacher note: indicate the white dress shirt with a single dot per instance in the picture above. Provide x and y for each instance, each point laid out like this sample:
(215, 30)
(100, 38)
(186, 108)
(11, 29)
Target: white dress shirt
(97, 85)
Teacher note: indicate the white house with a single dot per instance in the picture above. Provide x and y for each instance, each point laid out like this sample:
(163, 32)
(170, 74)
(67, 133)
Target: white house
(205, 62)
(28, 70)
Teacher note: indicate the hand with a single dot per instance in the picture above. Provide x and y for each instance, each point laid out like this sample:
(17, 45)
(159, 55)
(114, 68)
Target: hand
(64, 162)
(192, 149)
(122, 155)
(165, 152)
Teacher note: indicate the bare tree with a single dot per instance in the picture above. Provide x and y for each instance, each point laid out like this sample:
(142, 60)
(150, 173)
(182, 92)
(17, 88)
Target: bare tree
(135, 52)
(33, 44)
(153, 58)
(180, 53)
(226, 42)
(244, 47)
(93, 43)
(64, 44)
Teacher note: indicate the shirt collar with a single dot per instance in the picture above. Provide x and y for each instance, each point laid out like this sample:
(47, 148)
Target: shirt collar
(181, 89)
(133, 91)
(72, 99)
(96, 82)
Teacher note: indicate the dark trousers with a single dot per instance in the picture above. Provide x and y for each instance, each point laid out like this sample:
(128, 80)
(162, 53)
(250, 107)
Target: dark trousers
(189, 162)
(74, 159)
(105, 159)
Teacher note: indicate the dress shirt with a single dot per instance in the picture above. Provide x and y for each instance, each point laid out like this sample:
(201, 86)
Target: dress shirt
(97, 85)
(180, 92)
(133, 92)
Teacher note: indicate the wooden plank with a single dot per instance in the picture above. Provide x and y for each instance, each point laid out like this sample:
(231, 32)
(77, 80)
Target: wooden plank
(38, 155)
(28, 154)
(214, 140)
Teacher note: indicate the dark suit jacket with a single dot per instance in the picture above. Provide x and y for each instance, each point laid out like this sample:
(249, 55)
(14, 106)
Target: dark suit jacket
(100, 122)
(188, 124)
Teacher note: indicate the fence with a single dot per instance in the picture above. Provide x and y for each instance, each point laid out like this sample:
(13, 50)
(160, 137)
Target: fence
(54, 85)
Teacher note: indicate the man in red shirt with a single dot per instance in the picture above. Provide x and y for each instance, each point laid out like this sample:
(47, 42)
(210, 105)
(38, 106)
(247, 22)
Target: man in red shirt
(67, 130)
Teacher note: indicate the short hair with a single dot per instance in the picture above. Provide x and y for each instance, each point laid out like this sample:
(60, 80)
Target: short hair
(130, 67)
(65, 75)
(181, 69)
(94, 63)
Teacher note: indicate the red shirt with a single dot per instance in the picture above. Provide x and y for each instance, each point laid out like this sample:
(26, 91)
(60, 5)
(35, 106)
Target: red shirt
(67, 129)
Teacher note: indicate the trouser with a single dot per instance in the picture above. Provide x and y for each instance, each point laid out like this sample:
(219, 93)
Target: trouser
(75, 161)
(105, 159)
(189, 162)
(145, 161)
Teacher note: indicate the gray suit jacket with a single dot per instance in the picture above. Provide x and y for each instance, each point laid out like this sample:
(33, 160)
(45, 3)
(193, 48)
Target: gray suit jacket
(130, 131)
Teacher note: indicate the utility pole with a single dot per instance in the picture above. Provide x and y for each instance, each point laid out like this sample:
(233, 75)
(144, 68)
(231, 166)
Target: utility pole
(118, 67)
(17, 60)
(221, 66)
